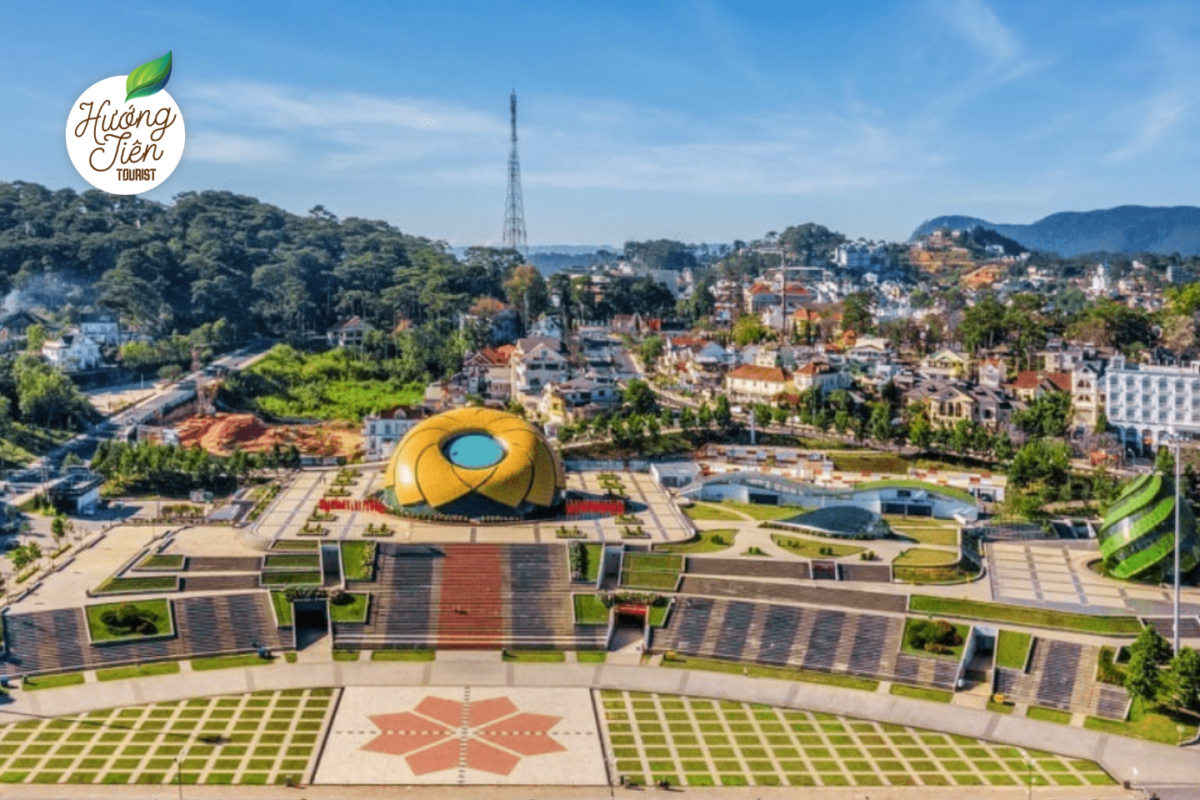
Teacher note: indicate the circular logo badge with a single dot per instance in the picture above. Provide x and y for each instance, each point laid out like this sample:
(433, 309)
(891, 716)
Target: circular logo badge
(124, 147)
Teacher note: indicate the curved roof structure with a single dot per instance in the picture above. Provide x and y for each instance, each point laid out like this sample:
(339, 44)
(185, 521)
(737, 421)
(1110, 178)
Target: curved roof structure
(474, 461)
(1137, 538)
(846, 521)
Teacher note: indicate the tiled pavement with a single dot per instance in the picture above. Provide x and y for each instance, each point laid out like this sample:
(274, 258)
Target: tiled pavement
(259, 738)
(1054, 575)
(701, 742)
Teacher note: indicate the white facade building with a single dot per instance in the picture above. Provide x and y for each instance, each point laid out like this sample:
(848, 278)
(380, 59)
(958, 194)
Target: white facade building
(1143, 402)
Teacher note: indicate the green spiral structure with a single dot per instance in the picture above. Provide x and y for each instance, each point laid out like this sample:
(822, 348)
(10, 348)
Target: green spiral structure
(1137, 538)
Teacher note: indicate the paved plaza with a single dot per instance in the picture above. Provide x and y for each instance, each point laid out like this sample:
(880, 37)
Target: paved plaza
(463, 735)
(1056, 575)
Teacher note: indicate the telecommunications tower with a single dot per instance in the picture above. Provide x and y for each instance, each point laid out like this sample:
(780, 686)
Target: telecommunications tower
(514, 206)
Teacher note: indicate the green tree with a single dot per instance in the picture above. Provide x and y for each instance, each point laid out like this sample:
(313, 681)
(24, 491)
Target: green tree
(856, 313)
(1182, 679)
(983, 324)
(749, 329)
(639, 398)
(650, 350)
(1143, 678)
(1048, 415)
(35, 337)
(1164, 462)
(723, 414)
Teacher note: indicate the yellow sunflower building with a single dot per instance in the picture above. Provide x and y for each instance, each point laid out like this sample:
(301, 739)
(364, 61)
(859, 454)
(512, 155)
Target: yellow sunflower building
(474, 462)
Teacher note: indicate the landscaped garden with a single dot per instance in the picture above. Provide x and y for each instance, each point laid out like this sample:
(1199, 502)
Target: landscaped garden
(113, 621)
(712, 541)
(934, 637)
(810, 548)
(349, 607)
(590, 610)
(1012, 649)
(158, 583)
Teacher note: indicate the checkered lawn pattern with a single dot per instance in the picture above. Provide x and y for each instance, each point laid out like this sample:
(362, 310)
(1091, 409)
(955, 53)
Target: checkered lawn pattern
(696, 742)
(259, 738)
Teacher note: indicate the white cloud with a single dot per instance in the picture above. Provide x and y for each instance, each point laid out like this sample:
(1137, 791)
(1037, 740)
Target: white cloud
(975, 21)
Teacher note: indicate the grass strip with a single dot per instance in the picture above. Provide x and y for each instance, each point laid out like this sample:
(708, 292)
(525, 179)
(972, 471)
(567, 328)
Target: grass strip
(922, 693)
(535, 656)
(229, 662)
(1025, 615)
(293, 561)
(52, 681)
(159, 583)
(403, 655)
(283, 608)
(782, 673)
(660, 581)
(138, 671)
(1049, 715)
(358, 560)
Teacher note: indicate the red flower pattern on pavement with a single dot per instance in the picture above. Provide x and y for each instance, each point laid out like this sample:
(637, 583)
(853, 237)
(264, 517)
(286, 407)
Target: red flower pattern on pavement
(490, 735)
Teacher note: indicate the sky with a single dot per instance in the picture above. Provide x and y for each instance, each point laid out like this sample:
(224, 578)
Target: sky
(690, 120)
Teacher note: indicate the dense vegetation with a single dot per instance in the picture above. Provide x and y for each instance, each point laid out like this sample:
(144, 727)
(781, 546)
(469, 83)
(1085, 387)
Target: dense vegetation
(338, 384)
(173, 470)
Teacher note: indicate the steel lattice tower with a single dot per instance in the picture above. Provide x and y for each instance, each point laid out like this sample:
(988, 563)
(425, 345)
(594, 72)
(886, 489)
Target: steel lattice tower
(514, 206)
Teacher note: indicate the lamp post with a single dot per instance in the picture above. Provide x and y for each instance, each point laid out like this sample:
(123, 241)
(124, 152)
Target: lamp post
(1179, 500)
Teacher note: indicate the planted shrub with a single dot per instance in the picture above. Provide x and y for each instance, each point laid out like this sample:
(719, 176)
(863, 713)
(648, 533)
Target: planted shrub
(933, 635)
(130, 619)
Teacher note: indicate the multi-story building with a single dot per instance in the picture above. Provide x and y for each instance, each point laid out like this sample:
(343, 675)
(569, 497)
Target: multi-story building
(381, 432)
(535, 363)
(1145, 402)
(750, 383)
(73, 352)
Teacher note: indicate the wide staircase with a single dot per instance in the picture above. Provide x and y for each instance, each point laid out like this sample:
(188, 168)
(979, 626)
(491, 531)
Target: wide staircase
(1062, 675)
(57, 641)
(470, 596)
(794, 593)
(819, 639)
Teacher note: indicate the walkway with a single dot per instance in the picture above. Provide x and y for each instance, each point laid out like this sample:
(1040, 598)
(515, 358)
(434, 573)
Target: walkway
(1123, 758)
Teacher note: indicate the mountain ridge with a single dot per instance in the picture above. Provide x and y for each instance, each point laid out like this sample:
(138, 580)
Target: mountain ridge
(1123, 229)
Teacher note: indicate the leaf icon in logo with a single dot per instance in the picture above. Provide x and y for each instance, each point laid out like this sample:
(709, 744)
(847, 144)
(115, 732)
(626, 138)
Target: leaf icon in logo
(148, 78)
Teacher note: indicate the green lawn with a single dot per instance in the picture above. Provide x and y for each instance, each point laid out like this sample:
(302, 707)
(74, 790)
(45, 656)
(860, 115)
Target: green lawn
(293, 561)
(302, 545)
(658, 615)
(1012, 649)
(158, 583)
(755, 671)
(1156, 724)
(922, 693)
(1025, 615)
(291, 579)
(358, 560)
(953, 652)
(589, 610)
(884, 463)
(160, 561)
(947, 491)
(283, 608)
(703, 542)
(1049, 715)
(138, 671)
(764, 513)
(652, 562)
(1000, 708)
(354, 611)
(347, 655)
(595, 553)
(924, 530)
(655, 581)
(157, 610)
(403, 655)
(705, 512)
(535, 656)
(229, 662)
(811, 548)
(52, 681)
(921, 557)
(591, 656)
(24, 443)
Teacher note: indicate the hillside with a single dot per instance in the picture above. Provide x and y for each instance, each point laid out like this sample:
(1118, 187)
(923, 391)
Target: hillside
(1125, 229)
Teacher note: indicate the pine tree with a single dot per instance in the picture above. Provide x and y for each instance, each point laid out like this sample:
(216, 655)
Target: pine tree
(1182, 679)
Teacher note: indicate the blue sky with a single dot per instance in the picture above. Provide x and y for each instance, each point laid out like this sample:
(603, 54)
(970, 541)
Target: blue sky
(692, 120)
